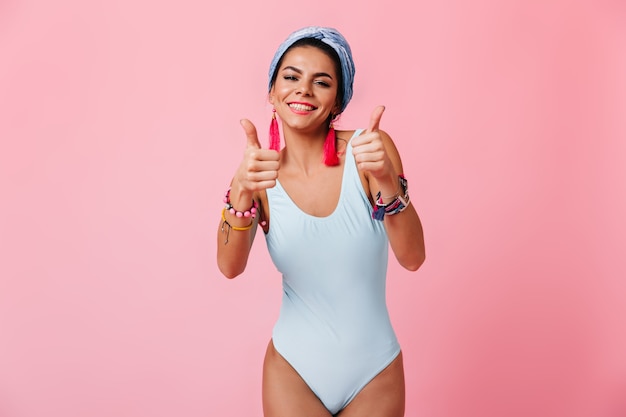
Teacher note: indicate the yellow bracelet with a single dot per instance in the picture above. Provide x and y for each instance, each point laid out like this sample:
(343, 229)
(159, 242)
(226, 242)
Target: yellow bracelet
(239, 229)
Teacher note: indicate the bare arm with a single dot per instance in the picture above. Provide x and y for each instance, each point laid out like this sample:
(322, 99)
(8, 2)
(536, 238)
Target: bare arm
(404, 229)
(235, 235)
(377, 156)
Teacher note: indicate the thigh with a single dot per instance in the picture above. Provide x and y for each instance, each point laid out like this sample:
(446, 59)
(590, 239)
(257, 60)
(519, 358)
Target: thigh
(383, 396)
(285, 394)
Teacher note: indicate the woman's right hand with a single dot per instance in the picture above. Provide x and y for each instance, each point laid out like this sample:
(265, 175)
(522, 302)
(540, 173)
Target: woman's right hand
(258, 169)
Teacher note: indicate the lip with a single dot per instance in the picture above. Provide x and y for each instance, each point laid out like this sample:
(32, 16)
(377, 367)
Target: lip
(301, 103)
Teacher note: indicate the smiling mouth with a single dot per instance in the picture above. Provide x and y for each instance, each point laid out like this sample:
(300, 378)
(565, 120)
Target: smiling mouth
(301, 107)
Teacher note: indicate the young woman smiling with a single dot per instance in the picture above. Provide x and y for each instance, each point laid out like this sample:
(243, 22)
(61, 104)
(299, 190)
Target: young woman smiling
(330, 204)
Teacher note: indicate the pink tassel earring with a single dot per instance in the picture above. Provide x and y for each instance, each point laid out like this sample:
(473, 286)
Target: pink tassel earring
(274, 133)
(330, 147)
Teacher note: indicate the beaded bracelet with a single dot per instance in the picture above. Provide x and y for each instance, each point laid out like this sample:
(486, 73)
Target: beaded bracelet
(251, 212)
(239, 229)
(230, 227)
(397, 205)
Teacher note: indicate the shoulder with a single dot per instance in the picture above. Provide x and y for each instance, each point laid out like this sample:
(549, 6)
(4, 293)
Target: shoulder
(343, 138)
(386, 138)
(345, 134)
(348, 134)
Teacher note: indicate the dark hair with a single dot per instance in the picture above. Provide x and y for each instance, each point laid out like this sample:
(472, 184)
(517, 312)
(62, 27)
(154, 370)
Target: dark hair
(325, 48)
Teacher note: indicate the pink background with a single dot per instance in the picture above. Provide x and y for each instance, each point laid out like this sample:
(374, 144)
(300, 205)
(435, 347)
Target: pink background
(119, 133)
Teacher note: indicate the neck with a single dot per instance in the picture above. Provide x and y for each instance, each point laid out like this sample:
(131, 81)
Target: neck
(304, 151)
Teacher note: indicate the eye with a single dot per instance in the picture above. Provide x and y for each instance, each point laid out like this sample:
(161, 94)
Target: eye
(322, 83)
(290, 78)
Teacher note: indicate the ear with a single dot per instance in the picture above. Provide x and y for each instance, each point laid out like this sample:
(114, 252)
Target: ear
(337, 109)
(270, 96)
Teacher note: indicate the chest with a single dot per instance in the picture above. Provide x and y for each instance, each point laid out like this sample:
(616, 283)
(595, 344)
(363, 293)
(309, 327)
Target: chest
(317, 194)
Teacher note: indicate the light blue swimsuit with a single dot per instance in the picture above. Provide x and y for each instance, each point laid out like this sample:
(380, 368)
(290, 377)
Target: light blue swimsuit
(333, 327)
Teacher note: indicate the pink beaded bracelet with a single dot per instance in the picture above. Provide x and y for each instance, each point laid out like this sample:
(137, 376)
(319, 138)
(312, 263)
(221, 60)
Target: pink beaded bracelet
(251, 212)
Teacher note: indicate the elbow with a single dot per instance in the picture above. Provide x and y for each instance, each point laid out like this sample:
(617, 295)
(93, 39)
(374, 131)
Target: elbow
(231, 267)
(229, 272)
(415, 262)
(229, 275)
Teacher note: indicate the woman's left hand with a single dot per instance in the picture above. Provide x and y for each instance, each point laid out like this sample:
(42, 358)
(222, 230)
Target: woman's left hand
(369, 149)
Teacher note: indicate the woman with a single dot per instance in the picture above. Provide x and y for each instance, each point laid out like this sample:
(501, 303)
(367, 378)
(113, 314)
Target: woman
(330, 204)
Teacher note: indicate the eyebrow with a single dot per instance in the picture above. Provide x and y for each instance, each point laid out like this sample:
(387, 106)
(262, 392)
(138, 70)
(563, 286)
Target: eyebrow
(299, 71)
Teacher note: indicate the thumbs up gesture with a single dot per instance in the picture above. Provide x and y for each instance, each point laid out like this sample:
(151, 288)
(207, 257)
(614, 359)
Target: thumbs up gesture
(259, 168)
(369, 149)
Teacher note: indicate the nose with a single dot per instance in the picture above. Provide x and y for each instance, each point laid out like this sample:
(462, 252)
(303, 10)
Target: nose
(304, 89)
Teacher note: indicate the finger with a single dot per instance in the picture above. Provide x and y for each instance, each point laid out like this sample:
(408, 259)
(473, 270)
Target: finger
(263, 176)
(266, 155)
(263, 165)
(377, 114)
(263, 185)
(251, 135)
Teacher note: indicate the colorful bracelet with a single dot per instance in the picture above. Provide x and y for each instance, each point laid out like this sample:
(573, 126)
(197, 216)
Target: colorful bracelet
(397, 205)
(239, 229)
(230, 227)
(251, 212)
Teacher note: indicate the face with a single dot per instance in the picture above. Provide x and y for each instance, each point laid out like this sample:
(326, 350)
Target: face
(305, 91)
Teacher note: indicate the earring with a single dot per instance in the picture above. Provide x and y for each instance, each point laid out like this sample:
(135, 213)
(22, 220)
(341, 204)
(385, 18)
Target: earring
(330, 146)
(274, 133)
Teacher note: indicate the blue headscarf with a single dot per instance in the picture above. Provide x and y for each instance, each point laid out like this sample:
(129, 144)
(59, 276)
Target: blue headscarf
(330, 37)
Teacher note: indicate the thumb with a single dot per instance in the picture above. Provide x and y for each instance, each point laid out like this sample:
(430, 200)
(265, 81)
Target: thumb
(377, 114)
(251, 135)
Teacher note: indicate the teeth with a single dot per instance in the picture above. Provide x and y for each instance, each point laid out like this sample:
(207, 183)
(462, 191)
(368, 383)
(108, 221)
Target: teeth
(301, 107)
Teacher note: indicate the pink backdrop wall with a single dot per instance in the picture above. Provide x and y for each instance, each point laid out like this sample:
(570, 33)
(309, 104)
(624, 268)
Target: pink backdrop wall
(119, 132)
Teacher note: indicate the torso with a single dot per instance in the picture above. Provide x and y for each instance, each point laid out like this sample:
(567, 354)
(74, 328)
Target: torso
(316, 193)
(333, 327)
